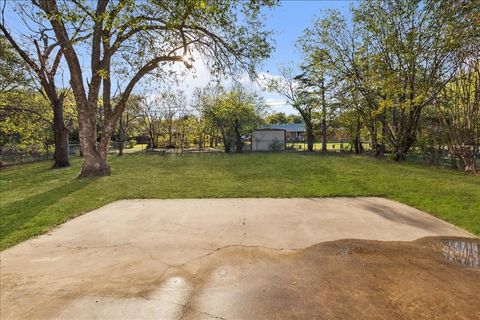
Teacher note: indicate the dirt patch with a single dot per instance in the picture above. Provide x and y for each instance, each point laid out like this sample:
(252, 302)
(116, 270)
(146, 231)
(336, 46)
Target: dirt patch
(342, 279)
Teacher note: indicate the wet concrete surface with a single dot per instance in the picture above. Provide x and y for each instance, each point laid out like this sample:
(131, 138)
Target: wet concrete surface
(245, 259)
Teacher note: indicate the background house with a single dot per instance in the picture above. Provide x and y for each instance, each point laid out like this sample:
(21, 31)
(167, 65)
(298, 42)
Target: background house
(295, 132)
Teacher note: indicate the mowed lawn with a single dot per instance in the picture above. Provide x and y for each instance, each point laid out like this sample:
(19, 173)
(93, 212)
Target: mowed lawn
(35, 198)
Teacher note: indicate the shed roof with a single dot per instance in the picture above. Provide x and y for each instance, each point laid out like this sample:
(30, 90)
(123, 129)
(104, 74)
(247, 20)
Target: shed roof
(268, 129)
(289, 127)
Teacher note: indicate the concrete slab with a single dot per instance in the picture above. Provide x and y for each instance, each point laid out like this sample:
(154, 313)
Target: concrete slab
(165, 259)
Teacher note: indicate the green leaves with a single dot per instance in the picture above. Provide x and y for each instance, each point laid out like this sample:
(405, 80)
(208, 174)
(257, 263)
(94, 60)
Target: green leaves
(227, 109)
(397, 55)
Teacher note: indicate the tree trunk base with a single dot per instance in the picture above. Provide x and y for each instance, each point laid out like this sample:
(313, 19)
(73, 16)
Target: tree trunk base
(60, 164)
(95, 170)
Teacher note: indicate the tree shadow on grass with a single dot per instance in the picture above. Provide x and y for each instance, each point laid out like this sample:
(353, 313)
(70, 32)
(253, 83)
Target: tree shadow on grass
(14, 216)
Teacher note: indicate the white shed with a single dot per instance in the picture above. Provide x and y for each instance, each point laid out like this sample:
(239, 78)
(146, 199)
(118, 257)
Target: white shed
(268, 139)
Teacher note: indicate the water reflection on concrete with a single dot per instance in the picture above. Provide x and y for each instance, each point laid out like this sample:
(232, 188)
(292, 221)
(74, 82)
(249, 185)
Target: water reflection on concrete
(464, 251)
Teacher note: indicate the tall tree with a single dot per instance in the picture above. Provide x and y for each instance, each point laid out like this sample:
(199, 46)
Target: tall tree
(234, 112)
(172, 106)
(276, 118)
(25, 124)
(128, 121)
(44, 59)
(314, 77)
(459, 111)
(294, 90)
(399, 55)
(131, 39)
(151, 115)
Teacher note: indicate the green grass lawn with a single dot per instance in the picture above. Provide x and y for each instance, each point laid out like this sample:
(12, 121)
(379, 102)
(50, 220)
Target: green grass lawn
(35, 198)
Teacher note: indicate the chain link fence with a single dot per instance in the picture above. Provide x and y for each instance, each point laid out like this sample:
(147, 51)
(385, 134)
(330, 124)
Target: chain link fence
(11, 155)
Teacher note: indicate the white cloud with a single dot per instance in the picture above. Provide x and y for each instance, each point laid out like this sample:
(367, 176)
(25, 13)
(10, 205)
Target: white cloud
(275, 102)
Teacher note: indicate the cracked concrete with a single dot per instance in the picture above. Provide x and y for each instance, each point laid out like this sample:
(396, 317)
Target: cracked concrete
(230, 259)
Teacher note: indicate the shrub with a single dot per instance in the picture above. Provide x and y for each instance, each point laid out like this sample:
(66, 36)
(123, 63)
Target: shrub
(276, 145)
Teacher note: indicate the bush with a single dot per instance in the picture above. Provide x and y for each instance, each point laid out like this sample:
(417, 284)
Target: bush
(276, 145)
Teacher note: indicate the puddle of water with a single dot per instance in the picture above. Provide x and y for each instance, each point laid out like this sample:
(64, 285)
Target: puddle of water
(463, 251)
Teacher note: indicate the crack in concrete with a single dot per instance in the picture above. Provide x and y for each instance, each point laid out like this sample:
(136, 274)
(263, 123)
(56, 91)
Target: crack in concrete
(212, 251)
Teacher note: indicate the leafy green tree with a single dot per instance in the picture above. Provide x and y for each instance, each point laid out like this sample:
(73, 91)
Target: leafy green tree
(292, 118)
(298, 96)
(398, 55)
(128, 40)
(278, 117)
(43, 59)
(314, 77)
(28, 131)
(151, 117)
(459, 111)
(13, 72)
(129, 122)
(235, 113)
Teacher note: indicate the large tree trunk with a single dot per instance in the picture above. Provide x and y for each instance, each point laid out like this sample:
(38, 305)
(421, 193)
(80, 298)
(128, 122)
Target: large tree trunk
(60, 132)
(94, 164)
(61, 156)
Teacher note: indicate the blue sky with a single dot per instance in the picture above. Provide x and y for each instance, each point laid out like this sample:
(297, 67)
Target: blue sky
(289, 21)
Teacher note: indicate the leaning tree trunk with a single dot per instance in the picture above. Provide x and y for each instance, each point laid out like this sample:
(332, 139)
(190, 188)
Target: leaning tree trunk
(60, 133)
